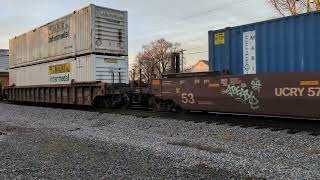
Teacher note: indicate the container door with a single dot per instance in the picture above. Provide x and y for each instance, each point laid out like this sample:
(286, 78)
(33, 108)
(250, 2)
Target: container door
(110, 33)
(217, 51)
(112, 69)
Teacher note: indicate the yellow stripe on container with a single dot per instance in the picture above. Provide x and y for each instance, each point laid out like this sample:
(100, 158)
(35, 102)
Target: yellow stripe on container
(110, 60)
(309, 83)
(60, 68)
(214, 85)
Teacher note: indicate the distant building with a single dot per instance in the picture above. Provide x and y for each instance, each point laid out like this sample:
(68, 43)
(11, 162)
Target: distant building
(200, 66)
(4, 60)
(4, 67)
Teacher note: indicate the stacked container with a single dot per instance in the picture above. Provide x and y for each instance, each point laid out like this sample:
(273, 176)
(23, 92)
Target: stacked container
(90, 44)
(287, 44)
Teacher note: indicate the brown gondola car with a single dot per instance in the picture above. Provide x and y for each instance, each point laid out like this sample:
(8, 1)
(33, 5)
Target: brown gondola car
(272, 94)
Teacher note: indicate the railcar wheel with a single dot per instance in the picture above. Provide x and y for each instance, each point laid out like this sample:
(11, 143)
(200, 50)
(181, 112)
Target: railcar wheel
(180, 110)
(169, 105)
(156, 105)
(159, 105)
(98, 102)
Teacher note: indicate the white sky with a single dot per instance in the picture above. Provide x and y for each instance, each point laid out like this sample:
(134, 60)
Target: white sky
(183, 21)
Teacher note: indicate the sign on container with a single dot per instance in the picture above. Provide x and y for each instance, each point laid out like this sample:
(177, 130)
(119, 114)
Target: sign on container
(249, 52)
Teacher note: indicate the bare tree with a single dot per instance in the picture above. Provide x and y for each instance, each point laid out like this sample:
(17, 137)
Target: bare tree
(133, 72)
(154, 60)
(294, 7)
(187, 69)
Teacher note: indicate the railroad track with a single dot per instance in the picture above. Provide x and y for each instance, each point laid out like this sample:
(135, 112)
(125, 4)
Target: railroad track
(290, 125)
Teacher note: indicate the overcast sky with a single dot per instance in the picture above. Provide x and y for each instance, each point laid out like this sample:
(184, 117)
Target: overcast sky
(183, 21)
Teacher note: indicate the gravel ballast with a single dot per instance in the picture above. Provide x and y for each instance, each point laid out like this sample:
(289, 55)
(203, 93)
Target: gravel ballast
(168, 148)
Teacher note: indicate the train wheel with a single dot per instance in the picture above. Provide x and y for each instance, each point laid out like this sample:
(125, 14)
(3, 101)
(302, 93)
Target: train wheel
(98, 102)
(159, 105)
(179, 109)
(156, 104)
(169, 106)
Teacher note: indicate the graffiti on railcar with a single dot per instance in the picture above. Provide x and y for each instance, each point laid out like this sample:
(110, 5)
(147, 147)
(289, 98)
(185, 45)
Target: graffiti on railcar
(241, 91)
(256, 85)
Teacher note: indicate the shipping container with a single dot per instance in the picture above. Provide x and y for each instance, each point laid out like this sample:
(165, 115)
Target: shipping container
(91, 30)
(88, 68)
(4, 60)
(286, 44)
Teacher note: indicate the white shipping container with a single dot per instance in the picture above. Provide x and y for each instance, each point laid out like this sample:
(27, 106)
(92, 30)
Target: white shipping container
(93, 29)
(107, 69)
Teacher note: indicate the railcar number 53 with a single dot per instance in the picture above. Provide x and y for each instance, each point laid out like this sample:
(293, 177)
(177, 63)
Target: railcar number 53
(187, 98)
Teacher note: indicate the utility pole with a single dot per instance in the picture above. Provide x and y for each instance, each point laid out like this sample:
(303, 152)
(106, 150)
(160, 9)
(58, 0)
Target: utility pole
(182, 58)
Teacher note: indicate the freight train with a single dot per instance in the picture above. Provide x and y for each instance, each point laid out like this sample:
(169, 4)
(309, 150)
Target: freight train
(267, 68)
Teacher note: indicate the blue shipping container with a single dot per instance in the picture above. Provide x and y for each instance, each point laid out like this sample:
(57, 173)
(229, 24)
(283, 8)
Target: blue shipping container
(286, 44)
